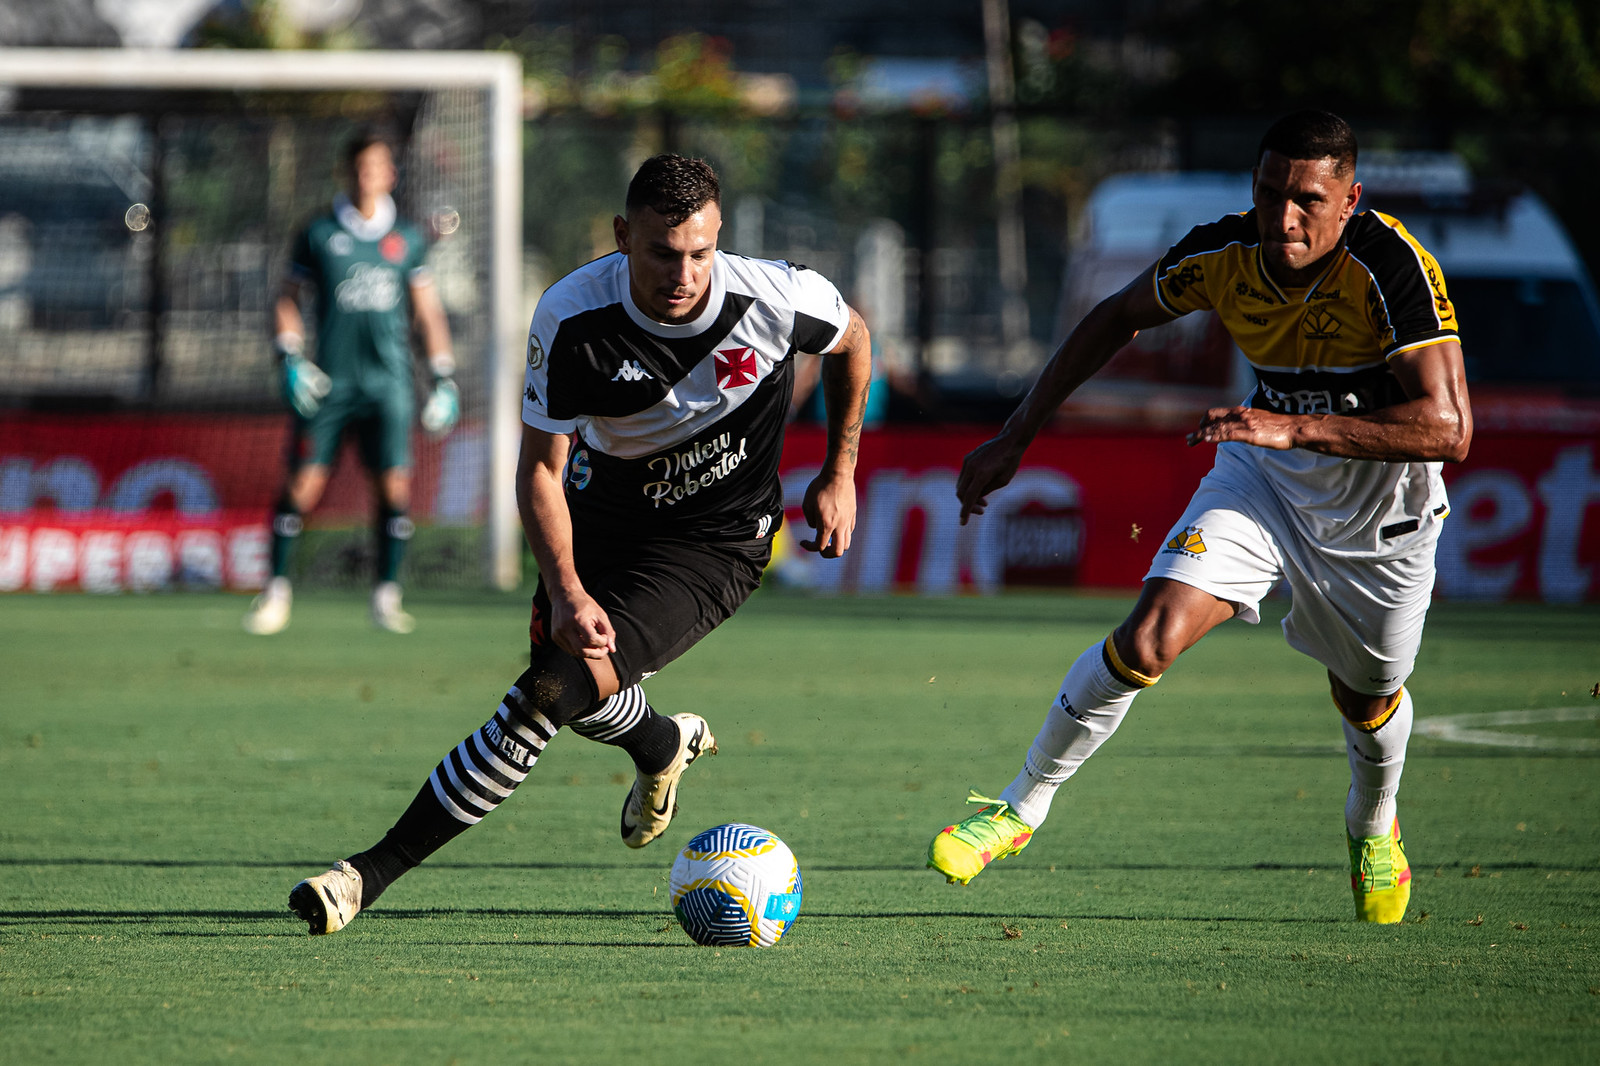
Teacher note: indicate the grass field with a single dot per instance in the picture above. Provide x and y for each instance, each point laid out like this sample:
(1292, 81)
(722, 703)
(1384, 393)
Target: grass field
(165, 779)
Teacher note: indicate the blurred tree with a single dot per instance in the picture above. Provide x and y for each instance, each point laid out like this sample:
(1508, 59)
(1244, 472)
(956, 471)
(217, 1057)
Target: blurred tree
(1474, 57)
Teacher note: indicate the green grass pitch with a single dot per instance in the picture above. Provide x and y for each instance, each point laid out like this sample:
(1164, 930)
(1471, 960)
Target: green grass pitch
(165, 779)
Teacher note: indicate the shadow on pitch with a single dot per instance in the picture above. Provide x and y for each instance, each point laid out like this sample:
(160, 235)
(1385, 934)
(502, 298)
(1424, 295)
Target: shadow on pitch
(916, 868)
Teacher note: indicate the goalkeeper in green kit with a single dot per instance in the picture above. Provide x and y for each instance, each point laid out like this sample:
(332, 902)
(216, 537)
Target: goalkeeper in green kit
(364, 268)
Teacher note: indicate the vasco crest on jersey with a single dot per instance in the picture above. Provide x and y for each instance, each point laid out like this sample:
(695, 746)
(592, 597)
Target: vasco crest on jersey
(736, 367)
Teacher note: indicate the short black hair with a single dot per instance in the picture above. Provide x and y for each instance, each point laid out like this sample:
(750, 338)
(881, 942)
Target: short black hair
(1312, 134)
(365, 137)
(674, 187)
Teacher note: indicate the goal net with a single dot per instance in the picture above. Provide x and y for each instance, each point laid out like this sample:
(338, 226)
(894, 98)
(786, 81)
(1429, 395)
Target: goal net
(148, 202)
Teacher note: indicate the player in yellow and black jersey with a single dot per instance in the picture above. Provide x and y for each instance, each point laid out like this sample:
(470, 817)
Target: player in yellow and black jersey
(1327, 478)
(1324, 347)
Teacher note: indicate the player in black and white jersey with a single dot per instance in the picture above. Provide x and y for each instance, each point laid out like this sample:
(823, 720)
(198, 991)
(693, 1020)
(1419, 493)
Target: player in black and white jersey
(657, 388)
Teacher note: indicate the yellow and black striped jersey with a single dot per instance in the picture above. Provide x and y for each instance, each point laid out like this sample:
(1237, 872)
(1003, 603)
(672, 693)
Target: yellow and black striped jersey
(1322, 349)
(1325, 350)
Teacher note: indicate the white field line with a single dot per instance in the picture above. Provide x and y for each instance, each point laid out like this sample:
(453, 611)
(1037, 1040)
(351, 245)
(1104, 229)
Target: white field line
(1473, 728)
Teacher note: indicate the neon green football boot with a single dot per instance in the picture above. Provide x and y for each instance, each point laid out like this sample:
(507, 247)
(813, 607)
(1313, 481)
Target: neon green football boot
(961, 851)
(1380, 876)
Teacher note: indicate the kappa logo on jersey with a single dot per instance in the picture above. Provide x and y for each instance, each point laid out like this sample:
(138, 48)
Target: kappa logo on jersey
(632, 371)
(1319, 325)
(735, 367)
(392, 247)
(1188, 541)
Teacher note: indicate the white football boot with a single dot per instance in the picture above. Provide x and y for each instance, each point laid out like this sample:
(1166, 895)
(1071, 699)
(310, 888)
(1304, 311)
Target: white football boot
(269, 612)
(386, 612)
(653, 799)
(328, 901)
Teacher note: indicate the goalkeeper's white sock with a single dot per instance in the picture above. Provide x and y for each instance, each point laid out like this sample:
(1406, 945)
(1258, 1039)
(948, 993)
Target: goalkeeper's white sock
(1094, 697)
(1377, 753)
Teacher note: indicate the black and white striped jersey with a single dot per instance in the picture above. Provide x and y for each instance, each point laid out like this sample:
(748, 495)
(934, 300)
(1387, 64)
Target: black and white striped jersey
(678, 427)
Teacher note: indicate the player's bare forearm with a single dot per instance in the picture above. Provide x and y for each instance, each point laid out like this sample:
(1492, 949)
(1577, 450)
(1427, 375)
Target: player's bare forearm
(1101, 333)
(427, 311)
(577, 624)
(286, 317)
(829, 505)
(1114, 322)
(1433, 425)
(846, 381)
(1407, 433)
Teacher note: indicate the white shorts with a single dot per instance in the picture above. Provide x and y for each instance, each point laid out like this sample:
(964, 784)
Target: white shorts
(1360, 618)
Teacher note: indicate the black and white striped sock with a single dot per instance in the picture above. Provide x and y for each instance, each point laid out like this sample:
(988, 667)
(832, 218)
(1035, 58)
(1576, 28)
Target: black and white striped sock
(474, 777)
(627, 721)
(488, 765)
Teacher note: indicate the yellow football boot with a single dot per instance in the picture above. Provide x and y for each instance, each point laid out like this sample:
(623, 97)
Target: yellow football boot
(1380, 876)
(961, 851)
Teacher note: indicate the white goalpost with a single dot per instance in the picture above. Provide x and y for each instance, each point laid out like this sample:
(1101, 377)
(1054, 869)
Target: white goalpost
(154, 302)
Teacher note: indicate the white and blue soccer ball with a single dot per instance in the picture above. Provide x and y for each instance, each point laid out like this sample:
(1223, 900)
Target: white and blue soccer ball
(736, 885)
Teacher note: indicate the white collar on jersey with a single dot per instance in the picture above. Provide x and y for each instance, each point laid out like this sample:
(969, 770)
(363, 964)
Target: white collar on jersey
(693, 328)
(366, 229)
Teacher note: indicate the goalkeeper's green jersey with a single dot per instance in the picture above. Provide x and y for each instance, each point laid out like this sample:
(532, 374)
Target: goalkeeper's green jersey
(362, 270)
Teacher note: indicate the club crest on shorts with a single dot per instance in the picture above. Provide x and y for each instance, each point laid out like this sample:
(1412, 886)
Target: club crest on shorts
(1188, 541)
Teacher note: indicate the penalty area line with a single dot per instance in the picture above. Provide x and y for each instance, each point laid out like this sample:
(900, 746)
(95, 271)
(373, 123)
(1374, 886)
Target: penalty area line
(1481, 728)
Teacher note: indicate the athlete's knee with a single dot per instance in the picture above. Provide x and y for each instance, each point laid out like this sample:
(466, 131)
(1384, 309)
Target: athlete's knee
(394, 488)
(1168, 619)
(306, 486)
(1362, 709)
(1151, 641)
(556, 686)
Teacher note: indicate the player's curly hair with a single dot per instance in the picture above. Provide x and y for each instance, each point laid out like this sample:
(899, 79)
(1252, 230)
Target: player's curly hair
(1313, 134)
(674, 187)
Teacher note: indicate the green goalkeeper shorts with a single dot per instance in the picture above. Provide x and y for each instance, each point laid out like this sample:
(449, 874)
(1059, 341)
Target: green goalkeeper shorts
(381, 425)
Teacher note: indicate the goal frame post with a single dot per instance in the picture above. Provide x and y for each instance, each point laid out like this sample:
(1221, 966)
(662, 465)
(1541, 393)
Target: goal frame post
(498, 74)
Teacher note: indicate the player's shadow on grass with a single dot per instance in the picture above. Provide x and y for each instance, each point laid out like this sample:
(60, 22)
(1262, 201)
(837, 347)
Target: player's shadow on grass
(909, 867)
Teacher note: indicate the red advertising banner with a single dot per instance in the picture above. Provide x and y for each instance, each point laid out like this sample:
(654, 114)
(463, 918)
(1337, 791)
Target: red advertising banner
(1091, 509)
(113, 502)
(106, 503)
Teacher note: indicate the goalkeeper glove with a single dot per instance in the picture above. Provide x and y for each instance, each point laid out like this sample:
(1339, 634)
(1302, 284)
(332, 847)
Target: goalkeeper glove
(443, 407)
(304, 383)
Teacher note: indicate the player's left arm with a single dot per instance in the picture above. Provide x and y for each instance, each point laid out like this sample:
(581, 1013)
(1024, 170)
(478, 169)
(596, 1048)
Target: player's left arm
(443, 405)
(830, 500)
(1434, 424)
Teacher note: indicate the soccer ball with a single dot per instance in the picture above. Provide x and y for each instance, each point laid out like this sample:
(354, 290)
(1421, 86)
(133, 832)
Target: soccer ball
(736, 885)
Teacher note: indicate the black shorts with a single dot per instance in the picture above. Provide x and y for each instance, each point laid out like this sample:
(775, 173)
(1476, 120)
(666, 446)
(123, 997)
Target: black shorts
(661, 595)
